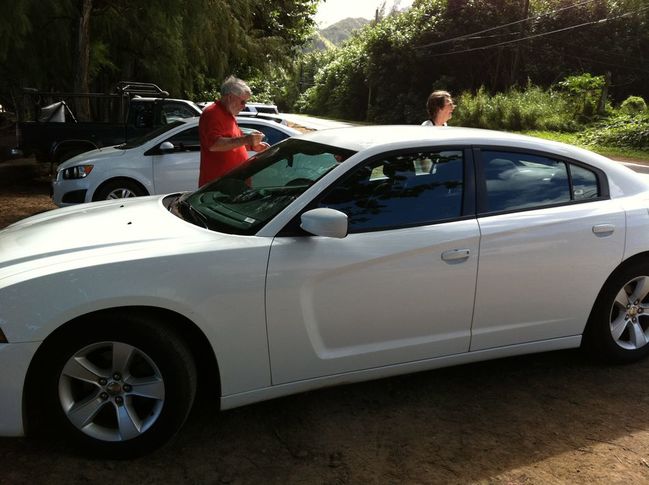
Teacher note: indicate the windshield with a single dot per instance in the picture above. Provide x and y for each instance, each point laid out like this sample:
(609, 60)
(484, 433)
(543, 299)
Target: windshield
(245, 199)
(141, 140)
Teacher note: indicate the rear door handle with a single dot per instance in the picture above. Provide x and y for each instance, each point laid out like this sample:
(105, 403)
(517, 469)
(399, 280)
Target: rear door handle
(603, 229)
(456, 254)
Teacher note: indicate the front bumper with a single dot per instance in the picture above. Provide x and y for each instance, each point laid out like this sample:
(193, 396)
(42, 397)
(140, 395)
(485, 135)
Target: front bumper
(14, 362)
(69, 192)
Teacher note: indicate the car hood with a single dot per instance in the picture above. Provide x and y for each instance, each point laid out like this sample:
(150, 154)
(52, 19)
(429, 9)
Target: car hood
(91, 156)
(98, 229)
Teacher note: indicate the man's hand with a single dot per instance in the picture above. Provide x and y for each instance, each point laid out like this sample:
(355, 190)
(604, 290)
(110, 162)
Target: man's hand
(253, 139)
(260, 147)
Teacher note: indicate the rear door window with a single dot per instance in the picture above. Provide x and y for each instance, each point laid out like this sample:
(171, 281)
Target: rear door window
(514, 180)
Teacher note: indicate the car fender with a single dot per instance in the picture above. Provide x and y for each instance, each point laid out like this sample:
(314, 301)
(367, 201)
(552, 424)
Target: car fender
(227, 308)
(122, 173)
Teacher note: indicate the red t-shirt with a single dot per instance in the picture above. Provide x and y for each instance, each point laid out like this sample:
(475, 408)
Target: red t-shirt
(214, 123)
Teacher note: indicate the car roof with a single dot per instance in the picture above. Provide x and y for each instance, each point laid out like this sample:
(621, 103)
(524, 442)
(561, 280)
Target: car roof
(363, 137)
(376, 139)
(360, 138)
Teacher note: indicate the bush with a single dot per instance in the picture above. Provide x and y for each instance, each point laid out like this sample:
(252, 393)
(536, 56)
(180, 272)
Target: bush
(633, 105)
(584, 93)
(624, 131)
(532, 109)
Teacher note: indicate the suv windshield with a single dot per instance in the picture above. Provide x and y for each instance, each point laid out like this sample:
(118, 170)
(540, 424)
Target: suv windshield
(141, 140)
(246, 198)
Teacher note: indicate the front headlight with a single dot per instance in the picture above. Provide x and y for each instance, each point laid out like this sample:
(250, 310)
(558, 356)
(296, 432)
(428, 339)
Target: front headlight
(76, 172)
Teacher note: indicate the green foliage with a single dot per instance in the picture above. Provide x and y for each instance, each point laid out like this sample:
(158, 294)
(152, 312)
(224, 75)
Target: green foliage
(583, 84)
(14, 26)
(447, 44)
(516, 110)
(364, 78)
(584, 92)
(382, 74)
(184, 46)
(339, 90)
(633, 105)
(624, 131)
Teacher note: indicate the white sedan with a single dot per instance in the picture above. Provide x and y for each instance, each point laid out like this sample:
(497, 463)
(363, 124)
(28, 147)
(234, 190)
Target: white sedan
(163, 161)
(337, 256)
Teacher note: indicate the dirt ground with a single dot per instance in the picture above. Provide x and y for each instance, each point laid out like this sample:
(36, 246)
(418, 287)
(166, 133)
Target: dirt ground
(550, 418)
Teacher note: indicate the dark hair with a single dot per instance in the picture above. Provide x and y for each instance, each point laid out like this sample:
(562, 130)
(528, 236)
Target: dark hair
(436, 101)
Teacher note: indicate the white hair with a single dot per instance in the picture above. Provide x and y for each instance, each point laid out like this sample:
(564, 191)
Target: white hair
(234, 85)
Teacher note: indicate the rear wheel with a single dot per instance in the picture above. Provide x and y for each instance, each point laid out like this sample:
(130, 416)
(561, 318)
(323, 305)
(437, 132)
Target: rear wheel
(618, 329)
(119, 388)
(118, 189)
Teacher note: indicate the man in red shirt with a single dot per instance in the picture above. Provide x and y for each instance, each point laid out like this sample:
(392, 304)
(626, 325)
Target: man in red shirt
(223, 146)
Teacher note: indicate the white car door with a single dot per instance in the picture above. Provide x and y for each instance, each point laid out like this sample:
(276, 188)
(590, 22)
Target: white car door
(399, 288)
(542, 263)
(176, 169)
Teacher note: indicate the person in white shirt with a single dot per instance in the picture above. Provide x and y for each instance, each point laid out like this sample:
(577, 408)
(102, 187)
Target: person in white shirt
(440, 108)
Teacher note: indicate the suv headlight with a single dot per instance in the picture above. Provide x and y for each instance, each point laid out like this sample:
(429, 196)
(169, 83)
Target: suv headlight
(76, 172)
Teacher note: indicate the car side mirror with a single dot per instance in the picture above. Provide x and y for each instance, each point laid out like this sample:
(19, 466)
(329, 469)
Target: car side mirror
(325, 222)
(167, 146)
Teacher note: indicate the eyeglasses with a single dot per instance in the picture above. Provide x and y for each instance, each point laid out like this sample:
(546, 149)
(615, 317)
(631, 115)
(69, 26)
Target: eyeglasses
(242, 101)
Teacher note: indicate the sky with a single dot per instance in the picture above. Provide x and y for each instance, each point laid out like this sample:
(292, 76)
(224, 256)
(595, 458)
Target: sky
(331, 11)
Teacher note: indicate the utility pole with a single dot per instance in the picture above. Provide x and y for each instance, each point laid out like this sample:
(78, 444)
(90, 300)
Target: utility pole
(601, 107)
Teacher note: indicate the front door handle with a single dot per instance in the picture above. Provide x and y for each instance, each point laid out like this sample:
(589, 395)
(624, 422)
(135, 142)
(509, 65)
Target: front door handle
(456, 254)
(603, 229)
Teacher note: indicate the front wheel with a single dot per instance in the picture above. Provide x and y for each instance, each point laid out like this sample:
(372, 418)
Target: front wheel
(618, 328)
(118, 189)
(120, 387)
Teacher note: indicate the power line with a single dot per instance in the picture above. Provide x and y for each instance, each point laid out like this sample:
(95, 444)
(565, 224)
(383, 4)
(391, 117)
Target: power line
(469, 36)
(542, 34)
(628, 67)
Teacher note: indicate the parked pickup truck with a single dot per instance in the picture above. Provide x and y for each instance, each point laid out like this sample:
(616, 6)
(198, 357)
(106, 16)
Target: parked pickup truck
(57, 133)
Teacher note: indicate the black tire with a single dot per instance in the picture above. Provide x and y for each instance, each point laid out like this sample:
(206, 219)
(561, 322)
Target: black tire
(118, 189)
(618, 327)
(84, 387)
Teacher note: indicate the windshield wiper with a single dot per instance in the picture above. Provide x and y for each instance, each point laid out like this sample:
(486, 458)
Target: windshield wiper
(247, 196)
(192, 214)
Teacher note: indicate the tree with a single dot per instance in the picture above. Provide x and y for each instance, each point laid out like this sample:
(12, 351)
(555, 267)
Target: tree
(185, 46)
(462, 45)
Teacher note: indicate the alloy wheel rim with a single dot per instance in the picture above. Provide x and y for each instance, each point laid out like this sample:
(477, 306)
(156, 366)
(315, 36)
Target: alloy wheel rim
(122, 193)
(111, 391)
(629, 318)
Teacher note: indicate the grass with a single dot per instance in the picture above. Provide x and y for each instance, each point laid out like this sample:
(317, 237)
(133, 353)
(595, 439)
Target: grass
(607, 151)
